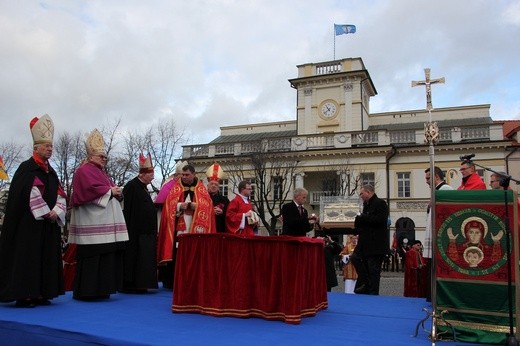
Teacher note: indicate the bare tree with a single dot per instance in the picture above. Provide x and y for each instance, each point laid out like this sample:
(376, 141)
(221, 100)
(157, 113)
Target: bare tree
(122, 165)
(164, 142)
(349, 180)
(69, 151)
(272, 179)
(235, 172)
(13, 154)
(342, 179)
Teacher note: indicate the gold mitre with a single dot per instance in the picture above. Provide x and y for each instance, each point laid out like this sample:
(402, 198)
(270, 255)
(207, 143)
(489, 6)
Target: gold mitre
(42, 129)
(179, 166)
(215, 172)
(95, 143)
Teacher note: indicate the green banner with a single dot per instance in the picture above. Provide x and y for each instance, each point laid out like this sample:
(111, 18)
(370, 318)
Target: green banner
(471, 264)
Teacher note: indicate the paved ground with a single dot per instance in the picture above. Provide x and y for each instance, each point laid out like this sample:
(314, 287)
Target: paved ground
(392, 284)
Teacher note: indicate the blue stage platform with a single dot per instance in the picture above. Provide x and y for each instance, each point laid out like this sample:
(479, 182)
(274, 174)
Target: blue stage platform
(146, 319)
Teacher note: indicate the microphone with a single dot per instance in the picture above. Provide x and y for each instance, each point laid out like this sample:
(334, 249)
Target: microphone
(467, 157)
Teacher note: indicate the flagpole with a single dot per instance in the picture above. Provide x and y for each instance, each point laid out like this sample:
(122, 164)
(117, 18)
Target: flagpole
(334, 34)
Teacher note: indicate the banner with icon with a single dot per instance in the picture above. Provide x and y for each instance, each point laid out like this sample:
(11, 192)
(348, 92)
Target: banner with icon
(471, 264)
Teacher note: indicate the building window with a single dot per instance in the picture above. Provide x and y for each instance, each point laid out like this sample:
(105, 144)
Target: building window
(252, 181)
(403, 184)
(277, 188)
(329, 185)
(224, 187)
(367, 179)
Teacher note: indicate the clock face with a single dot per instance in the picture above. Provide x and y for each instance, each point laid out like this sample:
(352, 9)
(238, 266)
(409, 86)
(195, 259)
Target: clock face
(329, 109)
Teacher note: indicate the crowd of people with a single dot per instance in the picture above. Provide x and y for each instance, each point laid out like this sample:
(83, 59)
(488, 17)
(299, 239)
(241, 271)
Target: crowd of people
(120, 240)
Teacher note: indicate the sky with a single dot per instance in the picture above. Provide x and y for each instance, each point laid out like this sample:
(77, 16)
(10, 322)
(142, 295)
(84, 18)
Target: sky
(214, 63)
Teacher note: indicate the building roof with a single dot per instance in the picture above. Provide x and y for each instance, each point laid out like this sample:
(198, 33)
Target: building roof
(442, 123)
(510, 127)
(251, 137)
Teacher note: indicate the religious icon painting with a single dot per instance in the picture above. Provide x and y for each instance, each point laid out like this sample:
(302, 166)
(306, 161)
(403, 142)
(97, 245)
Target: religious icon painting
(472, 263)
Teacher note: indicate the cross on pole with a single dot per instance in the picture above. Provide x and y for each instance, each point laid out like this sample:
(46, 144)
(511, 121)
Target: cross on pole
(428, 82)
(431, 133)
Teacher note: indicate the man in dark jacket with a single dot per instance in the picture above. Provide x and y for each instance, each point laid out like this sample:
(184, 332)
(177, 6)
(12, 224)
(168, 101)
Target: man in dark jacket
(140, 257)
(295, 217)
(372, 243)
(331, 252)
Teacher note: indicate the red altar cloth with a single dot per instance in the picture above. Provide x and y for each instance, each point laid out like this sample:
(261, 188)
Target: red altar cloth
(276, 278)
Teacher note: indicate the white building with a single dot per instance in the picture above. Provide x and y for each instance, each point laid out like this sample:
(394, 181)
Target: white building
(337, 142)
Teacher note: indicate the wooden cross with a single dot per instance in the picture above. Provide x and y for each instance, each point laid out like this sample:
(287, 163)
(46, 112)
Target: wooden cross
(428, 82)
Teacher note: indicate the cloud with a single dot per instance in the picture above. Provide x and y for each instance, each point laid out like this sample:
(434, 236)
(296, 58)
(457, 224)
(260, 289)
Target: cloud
(209, 64)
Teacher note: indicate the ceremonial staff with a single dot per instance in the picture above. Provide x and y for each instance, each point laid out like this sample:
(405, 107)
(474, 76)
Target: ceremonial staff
(431, 134)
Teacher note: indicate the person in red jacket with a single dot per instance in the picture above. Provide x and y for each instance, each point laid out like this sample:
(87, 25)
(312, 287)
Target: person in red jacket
(240, 216)
(470, 178)
(415, 272)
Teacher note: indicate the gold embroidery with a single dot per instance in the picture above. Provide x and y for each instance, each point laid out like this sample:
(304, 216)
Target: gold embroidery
(477, 326)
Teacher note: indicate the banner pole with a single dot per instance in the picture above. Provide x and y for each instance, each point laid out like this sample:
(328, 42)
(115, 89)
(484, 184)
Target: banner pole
(334, 34)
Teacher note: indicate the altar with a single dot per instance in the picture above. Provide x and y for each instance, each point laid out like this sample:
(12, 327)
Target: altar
(275, 278)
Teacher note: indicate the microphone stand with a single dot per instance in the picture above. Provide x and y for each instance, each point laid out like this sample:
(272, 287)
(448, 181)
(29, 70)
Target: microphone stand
(502, 176)
(504, 183)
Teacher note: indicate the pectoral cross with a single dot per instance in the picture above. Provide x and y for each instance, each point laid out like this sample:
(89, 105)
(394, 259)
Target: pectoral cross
(428, 82)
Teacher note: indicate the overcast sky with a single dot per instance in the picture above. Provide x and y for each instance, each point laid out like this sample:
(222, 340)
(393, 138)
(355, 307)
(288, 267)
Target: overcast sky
(213, 63)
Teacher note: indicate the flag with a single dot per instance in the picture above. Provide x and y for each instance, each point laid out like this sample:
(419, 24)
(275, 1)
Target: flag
(3, 173)
(341, 29)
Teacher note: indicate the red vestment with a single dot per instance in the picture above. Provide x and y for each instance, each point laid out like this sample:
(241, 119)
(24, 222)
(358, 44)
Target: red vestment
(69, 266)
(415, 275)
(171, 222)
(234, 214)
(474, 182)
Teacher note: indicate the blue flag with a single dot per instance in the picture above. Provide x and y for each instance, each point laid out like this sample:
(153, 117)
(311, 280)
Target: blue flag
(341, 29)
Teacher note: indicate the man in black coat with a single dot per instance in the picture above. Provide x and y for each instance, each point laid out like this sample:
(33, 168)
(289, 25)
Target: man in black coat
(372, 243)
(295, 217)
(215, 174)
(140, 258)
(31, 268)
(331, 251)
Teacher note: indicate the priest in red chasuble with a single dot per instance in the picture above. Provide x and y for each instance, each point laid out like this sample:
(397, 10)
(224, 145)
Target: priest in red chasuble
(188, 209)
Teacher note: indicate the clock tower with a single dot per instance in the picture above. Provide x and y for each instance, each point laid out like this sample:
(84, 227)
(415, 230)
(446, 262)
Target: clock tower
(333, 96)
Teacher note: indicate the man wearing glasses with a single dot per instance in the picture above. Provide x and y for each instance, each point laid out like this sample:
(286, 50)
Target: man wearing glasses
(495, 180)
(240, 216)
(470, 178)
(97, 226)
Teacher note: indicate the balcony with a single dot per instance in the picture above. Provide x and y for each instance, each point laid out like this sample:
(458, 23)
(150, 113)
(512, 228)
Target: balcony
(342, 140)
(402, 137)
(472, 133)
(315, 196)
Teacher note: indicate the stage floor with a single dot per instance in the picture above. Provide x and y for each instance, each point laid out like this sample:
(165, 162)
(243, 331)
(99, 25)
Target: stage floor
(127, 319)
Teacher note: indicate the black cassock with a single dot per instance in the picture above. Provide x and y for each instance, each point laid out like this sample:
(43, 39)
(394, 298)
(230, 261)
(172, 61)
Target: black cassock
(30, 249)
(140, 260)
(222, 202)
